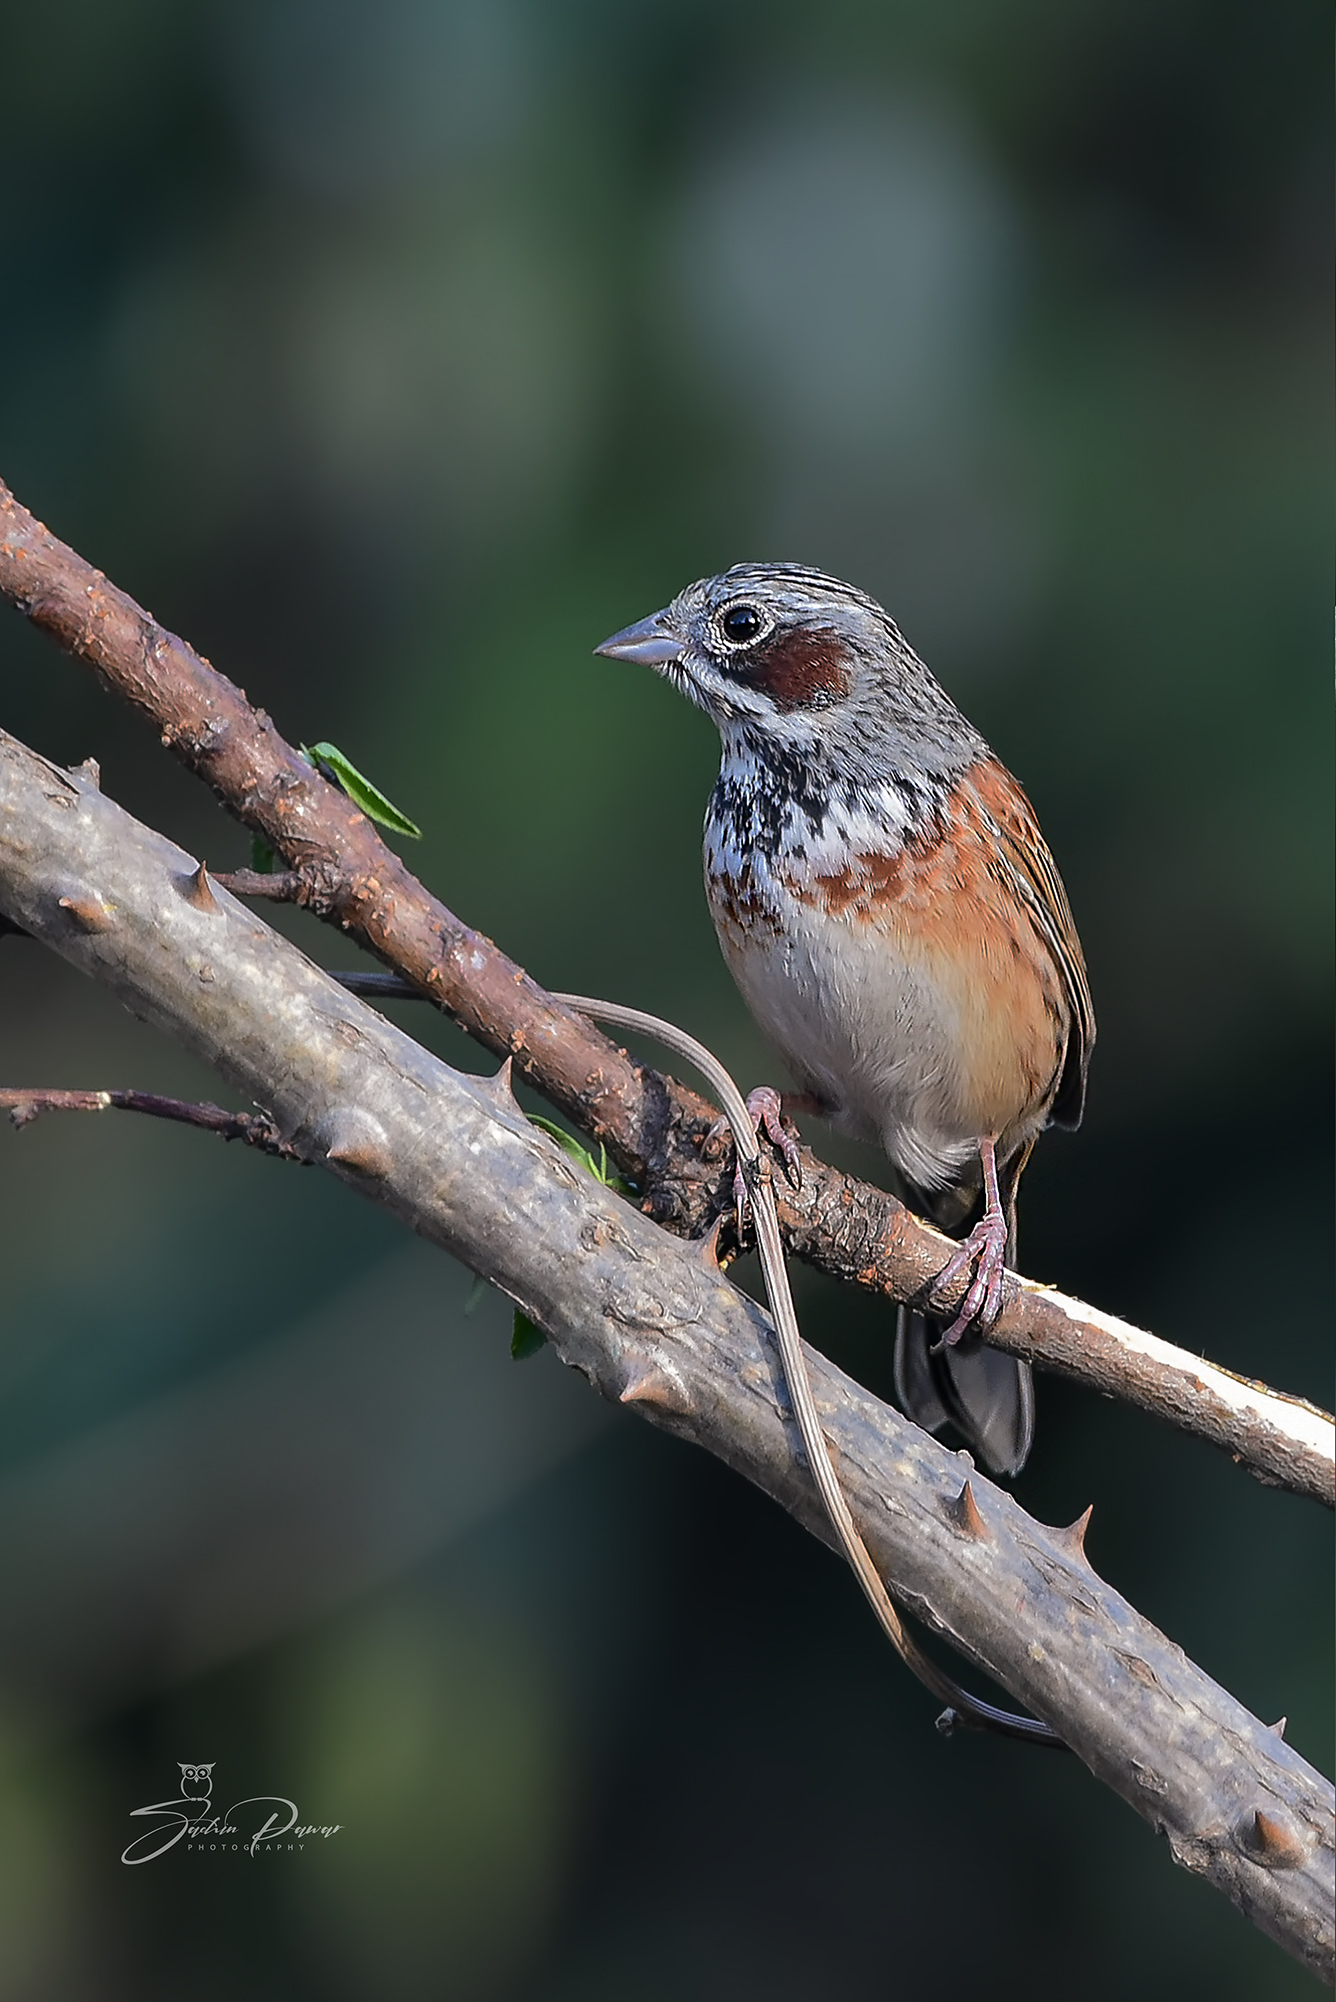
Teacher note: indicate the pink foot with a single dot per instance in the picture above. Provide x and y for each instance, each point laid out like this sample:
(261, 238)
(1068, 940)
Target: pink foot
(766, 1110)
(986, 1244)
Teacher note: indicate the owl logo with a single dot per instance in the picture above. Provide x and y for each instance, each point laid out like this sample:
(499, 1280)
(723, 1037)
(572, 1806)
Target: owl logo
(199, 1777)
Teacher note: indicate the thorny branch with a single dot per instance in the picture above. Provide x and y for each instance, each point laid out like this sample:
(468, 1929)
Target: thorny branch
(652, 1127)
(655, 1326)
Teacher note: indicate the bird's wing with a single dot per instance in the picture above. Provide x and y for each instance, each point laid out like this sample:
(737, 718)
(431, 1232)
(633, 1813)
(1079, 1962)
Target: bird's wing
(1024, 854)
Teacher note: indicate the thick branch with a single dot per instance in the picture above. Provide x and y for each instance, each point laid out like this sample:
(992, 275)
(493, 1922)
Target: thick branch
(654, 1325)
(651, 1126)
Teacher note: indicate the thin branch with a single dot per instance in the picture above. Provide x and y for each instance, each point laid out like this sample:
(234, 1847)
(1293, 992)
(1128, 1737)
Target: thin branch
(656, 1327)
(254, 1129)
(280, 886)
(1283, 1440)
(652, 1127)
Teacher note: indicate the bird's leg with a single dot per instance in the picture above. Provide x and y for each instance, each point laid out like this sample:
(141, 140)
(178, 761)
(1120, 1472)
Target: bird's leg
(986, 1243)
(766, 1110)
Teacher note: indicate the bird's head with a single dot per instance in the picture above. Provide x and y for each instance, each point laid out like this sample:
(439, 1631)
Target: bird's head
(793, 657)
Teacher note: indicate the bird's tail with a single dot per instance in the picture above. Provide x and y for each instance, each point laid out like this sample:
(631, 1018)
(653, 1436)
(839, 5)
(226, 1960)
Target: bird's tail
(987, 1396)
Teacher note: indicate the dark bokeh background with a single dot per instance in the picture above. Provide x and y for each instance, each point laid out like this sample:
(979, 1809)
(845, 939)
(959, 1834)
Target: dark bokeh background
(395, 355)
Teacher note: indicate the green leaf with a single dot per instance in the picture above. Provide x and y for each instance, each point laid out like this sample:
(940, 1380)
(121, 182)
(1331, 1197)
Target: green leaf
(578, 1152)
(525, 1338)
(477, 1291)
(329, 759)
(262, 856)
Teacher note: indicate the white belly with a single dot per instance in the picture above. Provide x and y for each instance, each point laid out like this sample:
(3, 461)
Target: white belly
(859, 1027)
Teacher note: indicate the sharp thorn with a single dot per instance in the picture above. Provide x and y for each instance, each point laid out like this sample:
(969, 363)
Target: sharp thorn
(362, 1157)
(646, 1383)
(1269, 1842)
(195, 889)
(1072, 1538)
(89, 913)
(707, 1247)
(499, 1089)
(1279, 1726)
(500, 1085)
(359, 1144)
(964, 1513)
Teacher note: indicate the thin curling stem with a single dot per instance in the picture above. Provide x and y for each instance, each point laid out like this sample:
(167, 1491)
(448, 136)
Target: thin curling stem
(965, 1709)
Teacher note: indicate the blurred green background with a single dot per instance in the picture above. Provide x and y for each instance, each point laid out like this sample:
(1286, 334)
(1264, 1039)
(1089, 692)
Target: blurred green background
(395, 356)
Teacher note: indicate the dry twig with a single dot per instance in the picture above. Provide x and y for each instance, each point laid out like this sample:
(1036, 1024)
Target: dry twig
(256, 1129)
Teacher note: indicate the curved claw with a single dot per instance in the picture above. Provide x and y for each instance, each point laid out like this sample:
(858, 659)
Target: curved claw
(767, 1115)
(766, 1109)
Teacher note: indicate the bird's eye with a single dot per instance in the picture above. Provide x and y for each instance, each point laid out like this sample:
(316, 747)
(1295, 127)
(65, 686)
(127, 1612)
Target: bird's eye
(741, 623)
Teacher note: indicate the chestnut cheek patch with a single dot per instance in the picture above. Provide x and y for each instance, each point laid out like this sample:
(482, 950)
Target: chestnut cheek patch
(800, 670)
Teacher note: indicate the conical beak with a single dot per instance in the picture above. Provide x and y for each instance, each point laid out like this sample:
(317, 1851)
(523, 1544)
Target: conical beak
(651, 643)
